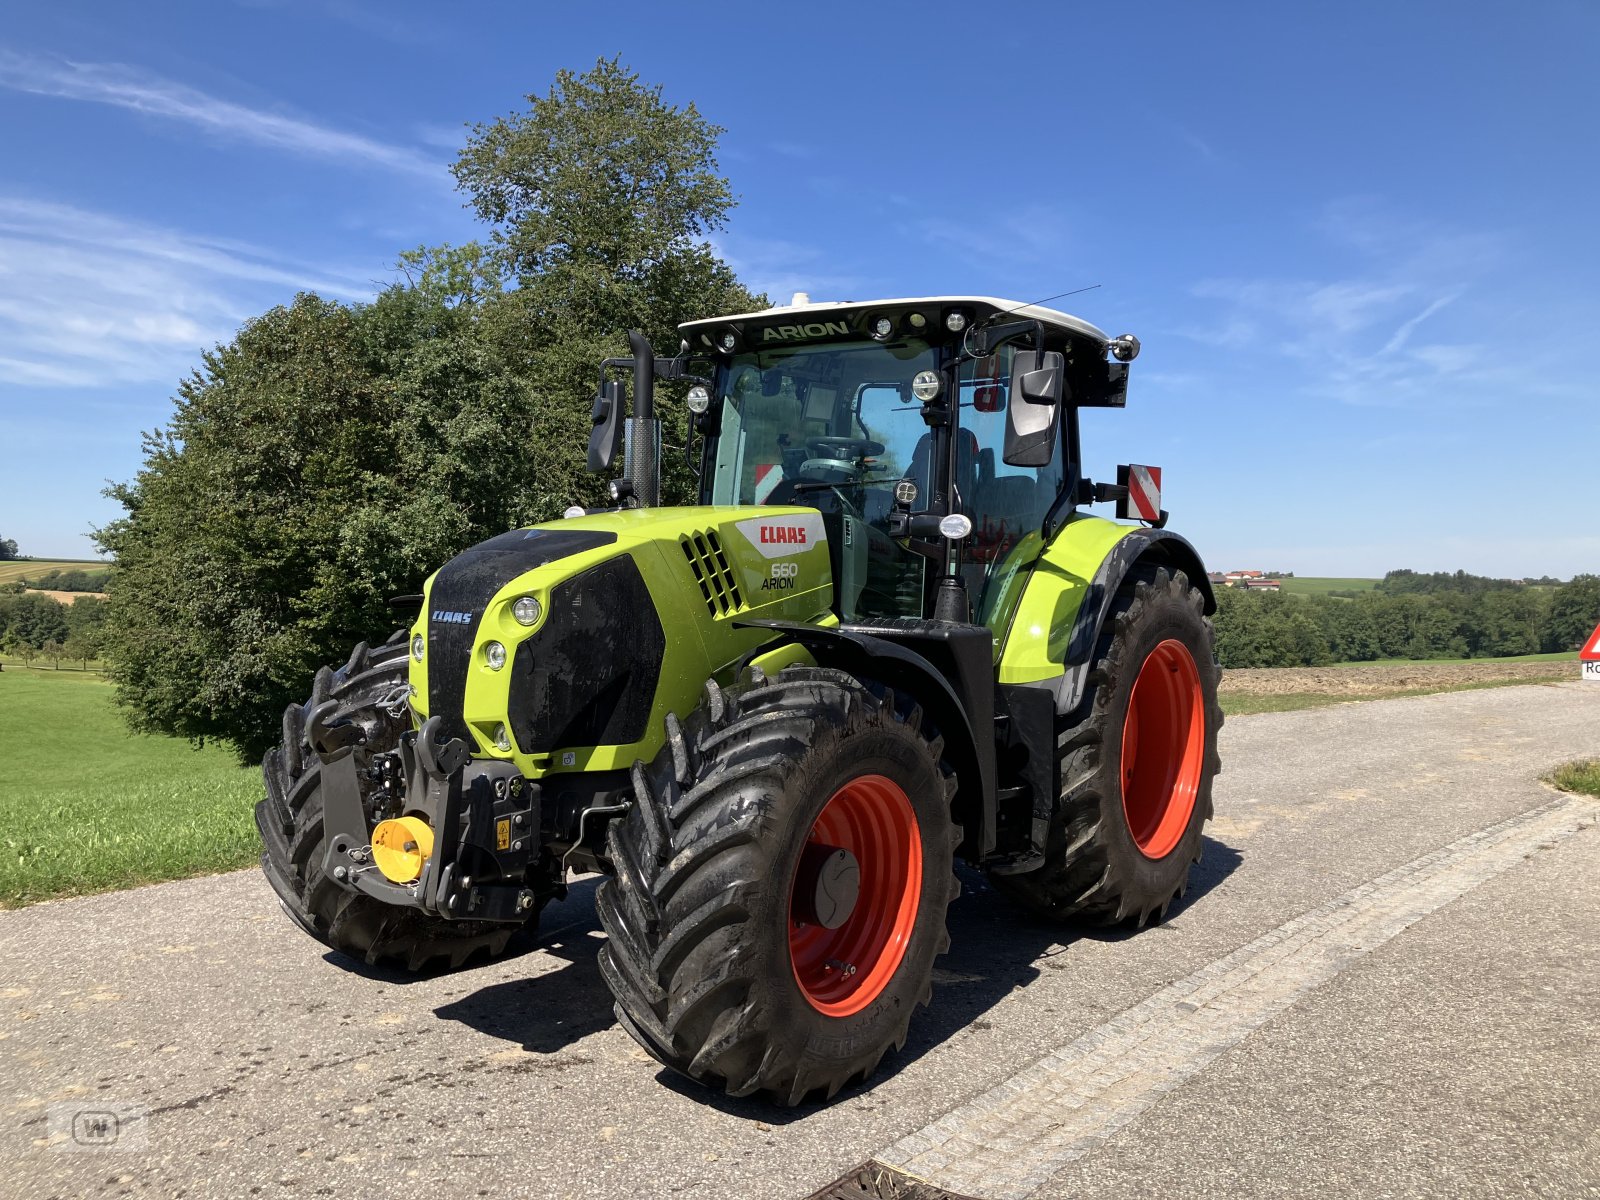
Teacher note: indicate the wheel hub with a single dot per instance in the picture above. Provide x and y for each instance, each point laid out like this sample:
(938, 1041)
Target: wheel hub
(827, 886)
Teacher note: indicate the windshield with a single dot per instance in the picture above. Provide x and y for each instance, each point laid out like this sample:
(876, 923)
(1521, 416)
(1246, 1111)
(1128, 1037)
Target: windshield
(832, 426)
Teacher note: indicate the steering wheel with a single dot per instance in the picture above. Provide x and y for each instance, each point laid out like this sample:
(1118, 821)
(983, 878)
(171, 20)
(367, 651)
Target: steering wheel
(838, 454)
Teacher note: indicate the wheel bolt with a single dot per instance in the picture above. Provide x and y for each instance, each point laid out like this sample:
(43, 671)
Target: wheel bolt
(843, 968)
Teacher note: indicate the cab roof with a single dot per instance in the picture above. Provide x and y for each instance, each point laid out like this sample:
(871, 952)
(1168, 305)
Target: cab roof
(979, 308)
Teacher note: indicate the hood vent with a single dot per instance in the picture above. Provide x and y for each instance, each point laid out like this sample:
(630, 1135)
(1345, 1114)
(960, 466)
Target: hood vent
(712, 573)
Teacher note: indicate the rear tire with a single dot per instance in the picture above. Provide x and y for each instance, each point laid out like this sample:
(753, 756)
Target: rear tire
(290, 822)
(720, 964)
(1137, 768)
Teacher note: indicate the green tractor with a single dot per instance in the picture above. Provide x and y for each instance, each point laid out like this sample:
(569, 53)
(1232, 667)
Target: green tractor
(888, 636)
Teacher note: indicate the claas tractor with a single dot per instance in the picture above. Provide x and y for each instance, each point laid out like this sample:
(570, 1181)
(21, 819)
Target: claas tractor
(889, 636)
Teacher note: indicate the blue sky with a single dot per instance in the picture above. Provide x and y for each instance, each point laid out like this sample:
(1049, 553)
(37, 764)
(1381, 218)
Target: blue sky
(1358, 242)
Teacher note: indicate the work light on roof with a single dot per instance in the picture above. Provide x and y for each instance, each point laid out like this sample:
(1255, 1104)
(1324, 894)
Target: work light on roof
(955, 320)
(698, 399)
(1125, 348)
(880, 328)
(728, 341)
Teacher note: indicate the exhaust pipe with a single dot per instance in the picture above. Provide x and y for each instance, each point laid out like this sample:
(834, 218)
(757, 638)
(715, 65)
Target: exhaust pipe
(641, 456)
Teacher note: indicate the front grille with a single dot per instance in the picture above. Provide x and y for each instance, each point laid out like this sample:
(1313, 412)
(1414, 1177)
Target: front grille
(712, 573)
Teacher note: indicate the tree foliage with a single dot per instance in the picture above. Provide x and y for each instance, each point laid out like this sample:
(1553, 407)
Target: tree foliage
(1421, 618)
(8, 550)
(331, 456)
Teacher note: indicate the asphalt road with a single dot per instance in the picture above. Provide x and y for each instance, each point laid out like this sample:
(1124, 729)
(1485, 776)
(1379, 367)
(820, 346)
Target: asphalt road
(1452, 1048)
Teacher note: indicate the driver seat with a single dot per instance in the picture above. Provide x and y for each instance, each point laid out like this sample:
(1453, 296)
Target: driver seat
(966, 466)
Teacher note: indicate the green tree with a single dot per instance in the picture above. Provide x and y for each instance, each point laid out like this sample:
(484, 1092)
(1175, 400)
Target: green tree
(601, 196)
(8, 549)
(1574, 613)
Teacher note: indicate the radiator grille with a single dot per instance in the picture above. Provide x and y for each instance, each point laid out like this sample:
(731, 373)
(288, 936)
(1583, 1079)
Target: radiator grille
(712, 572)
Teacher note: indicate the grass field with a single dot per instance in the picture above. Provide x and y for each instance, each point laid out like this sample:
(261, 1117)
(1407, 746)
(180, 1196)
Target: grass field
(85, 806)
(1313, 585)
(33, 568)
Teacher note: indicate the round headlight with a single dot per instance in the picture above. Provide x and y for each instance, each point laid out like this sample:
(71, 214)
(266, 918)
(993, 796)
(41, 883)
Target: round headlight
(502, 739)
(880, 328)
(526, 610)
(905, 492)
(495, 655)
(728, 341)
(925, 385)
(416, 647)
(699, 399)
(955, 320)
(956, 526)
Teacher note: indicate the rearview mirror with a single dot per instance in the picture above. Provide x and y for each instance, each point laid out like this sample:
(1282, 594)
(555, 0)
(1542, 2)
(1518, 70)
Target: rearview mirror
(605, 442)
(1038, 381)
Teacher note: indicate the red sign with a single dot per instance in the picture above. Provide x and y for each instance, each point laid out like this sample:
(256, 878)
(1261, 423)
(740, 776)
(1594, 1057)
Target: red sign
(1591, 648)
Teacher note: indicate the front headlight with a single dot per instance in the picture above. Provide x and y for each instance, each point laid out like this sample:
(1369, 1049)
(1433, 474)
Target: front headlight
(416, 647)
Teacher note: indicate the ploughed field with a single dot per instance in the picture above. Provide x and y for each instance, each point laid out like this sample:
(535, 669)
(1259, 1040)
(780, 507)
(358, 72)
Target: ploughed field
(1392, 679)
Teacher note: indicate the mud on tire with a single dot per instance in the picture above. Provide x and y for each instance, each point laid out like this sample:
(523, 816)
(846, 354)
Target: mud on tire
(1095, 869)
(701, 956)
(290, 821)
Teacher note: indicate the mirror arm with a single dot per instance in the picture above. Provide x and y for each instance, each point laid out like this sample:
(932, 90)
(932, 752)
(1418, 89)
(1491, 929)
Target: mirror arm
(986, 341)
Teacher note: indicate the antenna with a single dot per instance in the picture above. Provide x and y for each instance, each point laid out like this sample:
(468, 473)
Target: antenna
(1046, 300)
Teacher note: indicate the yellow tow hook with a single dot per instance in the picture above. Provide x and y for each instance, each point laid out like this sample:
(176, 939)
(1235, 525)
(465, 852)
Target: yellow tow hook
(400, 846)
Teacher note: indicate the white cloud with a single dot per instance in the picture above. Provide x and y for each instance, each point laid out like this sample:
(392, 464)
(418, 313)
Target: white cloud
(1397, 277)
(92, 300)
(139, 91)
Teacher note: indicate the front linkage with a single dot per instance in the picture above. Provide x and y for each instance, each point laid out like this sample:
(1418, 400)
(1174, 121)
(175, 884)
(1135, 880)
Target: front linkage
(481, 873)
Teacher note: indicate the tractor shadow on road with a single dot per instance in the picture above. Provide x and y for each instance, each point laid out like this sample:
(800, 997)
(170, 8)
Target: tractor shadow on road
(994, 950)
(547, 1012)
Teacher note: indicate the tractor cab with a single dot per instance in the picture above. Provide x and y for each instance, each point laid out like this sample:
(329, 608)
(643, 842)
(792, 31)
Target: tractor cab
(890, 416)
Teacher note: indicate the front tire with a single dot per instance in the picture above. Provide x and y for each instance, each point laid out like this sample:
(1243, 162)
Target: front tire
(1137, 767)
(781, 885)
(369, 689)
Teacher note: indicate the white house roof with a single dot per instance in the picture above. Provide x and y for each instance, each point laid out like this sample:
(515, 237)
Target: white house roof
(980, 306)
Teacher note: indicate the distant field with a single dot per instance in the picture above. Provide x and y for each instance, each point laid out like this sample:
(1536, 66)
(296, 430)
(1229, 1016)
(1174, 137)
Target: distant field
(1313, 585)
(1556, 656)
(32, 568)
(85, 806)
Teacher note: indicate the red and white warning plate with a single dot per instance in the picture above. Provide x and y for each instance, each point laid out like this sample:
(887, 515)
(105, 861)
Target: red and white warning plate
(1589, 656)
(1143, 502)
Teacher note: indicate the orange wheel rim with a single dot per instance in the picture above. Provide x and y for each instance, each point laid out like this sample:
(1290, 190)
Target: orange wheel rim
(842, 970)
(1163, 749)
